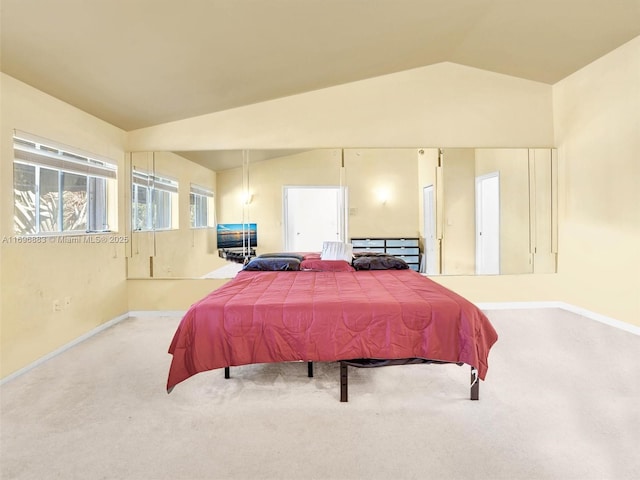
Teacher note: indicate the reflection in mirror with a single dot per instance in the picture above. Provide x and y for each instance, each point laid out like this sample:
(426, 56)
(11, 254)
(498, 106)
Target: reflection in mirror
(497, 211)
(269, 173)
(474, 211)
(172, 214)
(383, 192)
(236, 241)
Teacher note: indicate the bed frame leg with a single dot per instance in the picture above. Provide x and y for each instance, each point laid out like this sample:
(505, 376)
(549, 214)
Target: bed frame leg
(310, 369)
(227, 373)
(344, 381)
(475, 384)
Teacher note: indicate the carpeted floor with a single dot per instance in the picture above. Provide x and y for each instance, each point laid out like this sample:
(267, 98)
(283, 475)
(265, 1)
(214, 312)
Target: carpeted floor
(561, 401)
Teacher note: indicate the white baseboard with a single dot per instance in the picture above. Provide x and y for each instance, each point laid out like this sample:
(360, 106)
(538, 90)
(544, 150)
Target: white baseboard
(483, 306)
(517, 305)
(157, 313)
(627, 327)
(65, 347)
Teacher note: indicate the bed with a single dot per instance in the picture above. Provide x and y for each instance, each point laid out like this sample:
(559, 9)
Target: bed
(362, 318)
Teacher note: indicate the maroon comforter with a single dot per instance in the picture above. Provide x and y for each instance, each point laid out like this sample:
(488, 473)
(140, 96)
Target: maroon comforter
(262, 317)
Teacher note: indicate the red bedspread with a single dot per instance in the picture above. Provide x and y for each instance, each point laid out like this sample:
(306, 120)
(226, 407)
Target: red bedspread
(263, 317)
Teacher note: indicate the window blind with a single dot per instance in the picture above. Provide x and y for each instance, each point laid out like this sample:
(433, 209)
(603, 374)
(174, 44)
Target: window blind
(31, 150)
(156, 182)
(198, 190)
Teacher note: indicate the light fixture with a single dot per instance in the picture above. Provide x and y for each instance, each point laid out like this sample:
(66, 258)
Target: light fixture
(382, 194)
(246, 198)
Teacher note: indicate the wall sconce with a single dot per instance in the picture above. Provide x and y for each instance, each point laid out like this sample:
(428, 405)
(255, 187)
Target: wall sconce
(246, 198)
(382, 194)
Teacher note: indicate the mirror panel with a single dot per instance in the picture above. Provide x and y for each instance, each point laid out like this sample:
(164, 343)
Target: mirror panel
(462, 211)
(267, 179)
(163, 242)
(382, 192)
(386, 198)
(141, 248)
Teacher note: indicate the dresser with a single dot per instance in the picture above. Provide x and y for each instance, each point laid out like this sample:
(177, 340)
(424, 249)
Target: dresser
(407, 249)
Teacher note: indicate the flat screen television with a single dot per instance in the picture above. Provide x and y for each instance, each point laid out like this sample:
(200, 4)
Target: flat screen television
(237, 235)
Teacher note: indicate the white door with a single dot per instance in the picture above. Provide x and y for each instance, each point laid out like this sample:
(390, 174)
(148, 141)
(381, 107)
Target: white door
(430, 258)
(312, 215)
(488, 224)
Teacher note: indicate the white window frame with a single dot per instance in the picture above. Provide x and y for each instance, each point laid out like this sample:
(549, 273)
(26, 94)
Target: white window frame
(161, 193)
(201, 207)
(39, 153)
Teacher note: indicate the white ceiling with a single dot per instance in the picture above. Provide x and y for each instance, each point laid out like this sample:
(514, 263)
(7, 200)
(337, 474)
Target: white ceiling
(137, 63)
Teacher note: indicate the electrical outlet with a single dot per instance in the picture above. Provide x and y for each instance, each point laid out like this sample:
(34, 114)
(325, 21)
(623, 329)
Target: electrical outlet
(56, 306)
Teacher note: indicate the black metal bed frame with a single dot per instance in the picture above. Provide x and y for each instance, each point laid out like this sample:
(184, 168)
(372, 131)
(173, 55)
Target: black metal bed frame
(344, 374)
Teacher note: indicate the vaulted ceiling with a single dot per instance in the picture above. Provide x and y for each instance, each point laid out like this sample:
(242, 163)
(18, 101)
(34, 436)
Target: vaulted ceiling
(137, 63)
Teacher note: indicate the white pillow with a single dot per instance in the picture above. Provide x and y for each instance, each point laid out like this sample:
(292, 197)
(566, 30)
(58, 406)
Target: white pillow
(337, 251)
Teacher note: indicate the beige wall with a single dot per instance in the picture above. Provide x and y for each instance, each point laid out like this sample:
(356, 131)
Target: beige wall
(597, 128)
(458, 248)
(442, 105)
(391, 172)
(172, 294)
(229, 195)
(91, 276)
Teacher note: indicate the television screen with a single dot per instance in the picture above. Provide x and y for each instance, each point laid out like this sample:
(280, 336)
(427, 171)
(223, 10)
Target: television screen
(230, 235)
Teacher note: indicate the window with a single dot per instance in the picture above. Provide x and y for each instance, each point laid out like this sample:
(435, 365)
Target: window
(152, 200)
(59, 189)
(201, 207)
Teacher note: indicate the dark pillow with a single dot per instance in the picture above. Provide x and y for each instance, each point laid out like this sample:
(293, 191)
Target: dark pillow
(318, 265)
(282, 255)
(379, 262)
(272, 263)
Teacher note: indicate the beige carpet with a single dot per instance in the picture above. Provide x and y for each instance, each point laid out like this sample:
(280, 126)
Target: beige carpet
(561, 401)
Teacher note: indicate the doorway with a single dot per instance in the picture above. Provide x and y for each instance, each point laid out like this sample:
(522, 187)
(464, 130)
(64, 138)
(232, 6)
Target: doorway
(313, 215)
(488, 224)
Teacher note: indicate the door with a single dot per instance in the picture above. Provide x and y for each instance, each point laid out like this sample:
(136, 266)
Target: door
(313, 215)
(488, 224)
(430, 259)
